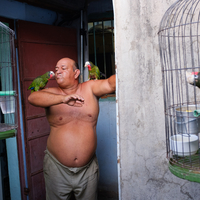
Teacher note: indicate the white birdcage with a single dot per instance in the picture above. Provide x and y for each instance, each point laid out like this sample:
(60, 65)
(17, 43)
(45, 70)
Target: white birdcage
(8, 83)
(179, 42)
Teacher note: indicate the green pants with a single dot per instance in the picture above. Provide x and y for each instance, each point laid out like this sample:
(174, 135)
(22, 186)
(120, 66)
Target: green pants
(60, 180)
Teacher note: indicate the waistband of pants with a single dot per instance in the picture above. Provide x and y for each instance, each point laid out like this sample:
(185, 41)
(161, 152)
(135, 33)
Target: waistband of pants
(72, 169)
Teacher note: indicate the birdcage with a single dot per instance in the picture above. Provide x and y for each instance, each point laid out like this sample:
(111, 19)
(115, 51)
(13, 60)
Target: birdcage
(179, 43)
(8, 86)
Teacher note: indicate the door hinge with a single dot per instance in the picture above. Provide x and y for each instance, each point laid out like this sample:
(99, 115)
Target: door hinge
(26, 191)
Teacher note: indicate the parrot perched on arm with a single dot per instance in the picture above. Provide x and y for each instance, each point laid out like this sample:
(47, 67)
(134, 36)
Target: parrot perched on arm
(41, 81)
(193, 78)
(94, 73)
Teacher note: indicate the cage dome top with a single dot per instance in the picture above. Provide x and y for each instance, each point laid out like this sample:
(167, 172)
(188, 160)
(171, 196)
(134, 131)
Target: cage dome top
(6, 30)
(181, 17)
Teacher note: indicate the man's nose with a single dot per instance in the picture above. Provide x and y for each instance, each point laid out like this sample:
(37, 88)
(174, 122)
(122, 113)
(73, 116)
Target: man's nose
(59, 71)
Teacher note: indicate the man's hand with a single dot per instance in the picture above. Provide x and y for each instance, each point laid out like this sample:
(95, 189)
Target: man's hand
(73, 100)
(48, 97)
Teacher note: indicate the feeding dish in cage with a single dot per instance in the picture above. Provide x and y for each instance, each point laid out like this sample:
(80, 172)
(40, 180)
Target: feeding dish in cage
(7, 104)
(186, 122)
(184, 145)
(7, 101)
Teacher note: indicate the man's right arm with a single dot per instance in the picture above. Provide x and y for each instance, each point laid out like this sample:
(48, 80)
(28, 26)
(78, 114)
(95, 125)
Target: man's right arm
(47, 97)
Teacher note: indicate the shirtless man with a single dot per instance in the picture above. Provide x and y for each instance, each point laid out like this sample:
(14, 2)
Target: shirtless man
(72, 110)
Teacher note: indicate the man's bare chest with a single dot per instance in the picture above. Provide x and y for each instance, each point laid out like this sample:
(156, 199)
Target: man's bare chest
(63, 113)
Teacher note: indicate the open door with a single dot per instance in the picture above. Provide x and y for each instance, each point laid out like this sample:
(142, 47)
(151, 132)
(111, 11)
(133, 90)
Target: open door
(40, 47)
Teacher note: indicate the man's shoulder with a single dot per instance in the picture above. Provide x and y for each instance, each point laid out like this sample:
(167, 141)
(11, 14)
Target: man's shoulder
(85, 84)
(88, 84)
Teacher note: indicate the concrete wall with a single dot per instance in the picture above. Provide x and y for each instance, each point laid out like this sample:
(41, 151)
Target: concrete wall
(144, 172)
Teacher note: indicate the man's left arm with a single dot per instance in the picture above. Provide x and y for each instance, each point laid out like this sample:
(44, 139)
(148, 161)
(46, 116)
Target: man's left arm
(104, 86)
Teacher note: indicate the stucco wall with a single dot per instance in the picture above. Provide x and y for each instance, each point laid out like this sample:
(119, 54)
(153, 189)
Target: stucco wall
(144, 172)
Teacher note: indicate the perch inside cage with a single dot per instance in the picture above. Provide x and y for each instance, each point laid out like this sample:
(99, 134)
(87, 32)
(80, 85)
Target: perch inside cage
(8, 111)
(179, 42)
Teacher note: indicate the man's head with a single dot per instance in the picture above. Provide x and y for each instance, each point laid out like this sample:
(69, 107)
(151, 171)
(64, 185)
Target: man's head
(66, 72)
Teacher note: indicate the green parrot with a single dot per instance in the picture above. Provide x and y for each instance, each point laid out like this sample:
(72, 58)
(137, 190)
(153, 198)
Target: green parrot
(41, 81)
(94, 73)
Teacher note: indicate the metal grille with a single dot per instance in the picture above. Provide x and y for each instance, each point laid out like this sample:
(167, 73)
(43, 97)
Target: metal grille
(101, 46)
(8, 114)
(179, 43)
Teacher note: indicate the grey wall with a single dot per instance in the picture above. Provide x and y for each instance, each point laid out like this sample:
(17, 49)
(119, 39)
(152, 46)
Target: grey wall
(144, 172)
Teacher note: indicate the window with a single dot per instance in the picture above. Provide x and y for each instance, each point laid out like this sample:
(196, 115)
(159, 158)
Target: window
(101, 46)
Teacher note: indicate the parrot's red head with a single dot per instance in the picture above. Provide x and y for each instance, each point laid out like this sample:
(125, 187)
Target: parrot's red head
(194, 73)
(88, 65)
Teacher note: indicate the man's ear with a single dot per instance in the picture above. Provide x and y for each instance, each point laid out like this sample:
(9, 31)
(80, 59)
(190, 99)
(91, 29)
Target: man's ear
(77, 73)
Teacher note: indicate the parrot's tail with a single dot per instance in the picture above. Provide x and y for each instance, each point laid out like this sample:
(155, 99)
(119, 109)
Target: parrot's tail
(102, 74)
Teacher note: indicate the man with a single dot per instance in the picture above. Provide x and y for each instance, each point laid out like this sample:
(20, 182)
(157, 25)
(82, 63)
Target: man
(72, 110)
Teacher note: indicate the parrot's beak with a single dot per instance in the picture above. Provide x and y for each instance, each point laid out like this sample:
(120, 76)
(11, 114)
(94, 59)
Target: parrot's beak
(87, 63)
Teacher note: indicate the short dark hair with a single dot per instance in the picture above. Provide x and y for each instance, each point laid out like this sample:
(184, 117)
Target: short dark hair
(75, 66)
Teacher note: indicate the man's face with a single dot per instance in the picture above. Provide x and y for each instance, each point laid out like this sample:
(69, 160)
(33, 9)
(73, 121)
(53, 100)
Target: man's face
(64, 73)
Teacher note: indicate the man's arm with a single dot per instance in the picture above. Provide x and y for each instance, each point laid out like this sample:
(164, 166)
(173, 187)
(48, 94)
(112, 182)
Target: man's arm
(47, 97)
(102, 87)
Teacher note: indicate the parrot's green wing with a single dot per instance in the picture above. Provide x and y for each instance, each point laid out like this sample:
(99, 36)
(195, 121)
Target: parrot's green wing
(41, 81)
(94, 73)
(38, 83)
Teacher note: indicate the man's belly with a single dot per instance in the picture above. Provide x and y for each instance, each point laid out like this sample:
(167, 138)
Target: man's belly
(73, 146)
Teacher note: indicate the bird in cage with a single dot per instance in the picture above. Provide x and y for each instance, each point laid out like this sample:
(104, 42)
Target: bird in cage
(41, 81)
(94, 72)
(193, 78)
